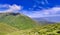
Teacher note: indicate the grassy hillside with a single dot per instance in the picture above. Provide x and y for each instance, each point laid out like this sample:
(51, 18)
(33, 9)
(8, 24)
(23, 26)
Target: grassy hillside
(4, 29)
(17, 20)
(51, 29)
(12, 22)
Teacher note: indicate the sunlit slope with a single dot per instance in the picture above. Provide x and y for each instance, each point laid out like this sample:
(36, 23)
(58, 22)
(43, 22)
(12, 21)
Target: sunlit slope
(51, 29)
(18, 21)
(4, 29)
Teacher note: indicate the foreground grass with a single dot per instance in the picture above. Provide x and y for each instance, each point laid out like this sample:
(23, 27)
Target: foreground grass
(51, 29)
(4, 29)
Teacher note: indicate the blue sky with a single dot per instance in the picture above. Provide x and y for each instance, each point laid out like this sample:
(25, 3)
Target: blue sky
(32, 8)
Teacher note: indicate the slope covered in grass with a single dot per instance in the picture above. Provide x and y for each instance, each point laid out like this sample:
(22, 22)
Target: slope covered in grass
(4, 29)
(17, 20)
(51, 29)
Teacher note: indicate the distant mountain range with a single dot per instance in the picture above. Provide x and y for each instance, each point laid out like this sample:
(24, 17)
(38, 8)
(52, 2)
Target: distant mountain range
(53, 19)
(48, 20)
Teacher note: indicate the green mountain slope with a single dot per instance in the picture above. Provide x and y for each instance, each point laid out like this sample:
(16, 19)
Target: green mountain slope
(17, 20)
(4, 29)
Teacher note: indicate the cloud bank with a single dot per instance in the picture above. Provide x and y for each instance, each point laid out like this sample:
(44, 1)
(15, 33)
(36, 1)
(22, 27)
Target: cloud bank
(50, 12)
(11, 8)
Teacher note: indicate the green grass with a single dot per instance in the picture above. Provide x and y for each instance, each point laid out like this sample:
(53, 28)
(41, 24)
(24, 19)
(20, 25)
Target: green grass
(51, 29)
(11, 23)
(19, 21)
(4, 29)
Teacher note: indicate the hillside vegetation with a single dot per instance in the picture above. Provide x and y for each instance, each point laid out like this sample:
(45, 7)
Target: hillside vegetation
(51, 29)
(4, 29)
(17, 20)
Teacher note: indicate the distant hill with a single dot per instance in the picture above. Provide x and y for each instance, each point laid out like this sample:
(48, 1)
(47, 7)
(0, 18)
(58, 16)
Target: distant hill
(17, 20)
(53, 19)
(49, 19)
(43, 21)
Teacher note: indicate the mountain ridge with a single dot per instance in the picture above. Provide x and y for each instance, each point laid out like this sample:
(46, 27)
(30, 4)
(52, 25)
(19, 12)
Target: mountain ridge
(17, 20)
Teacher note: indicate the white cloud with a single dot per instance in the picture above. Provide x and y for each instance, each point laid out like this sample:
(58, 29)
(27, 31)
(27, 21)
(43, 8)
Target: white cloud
(50, 12)
(11, 8)
(55, 11)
